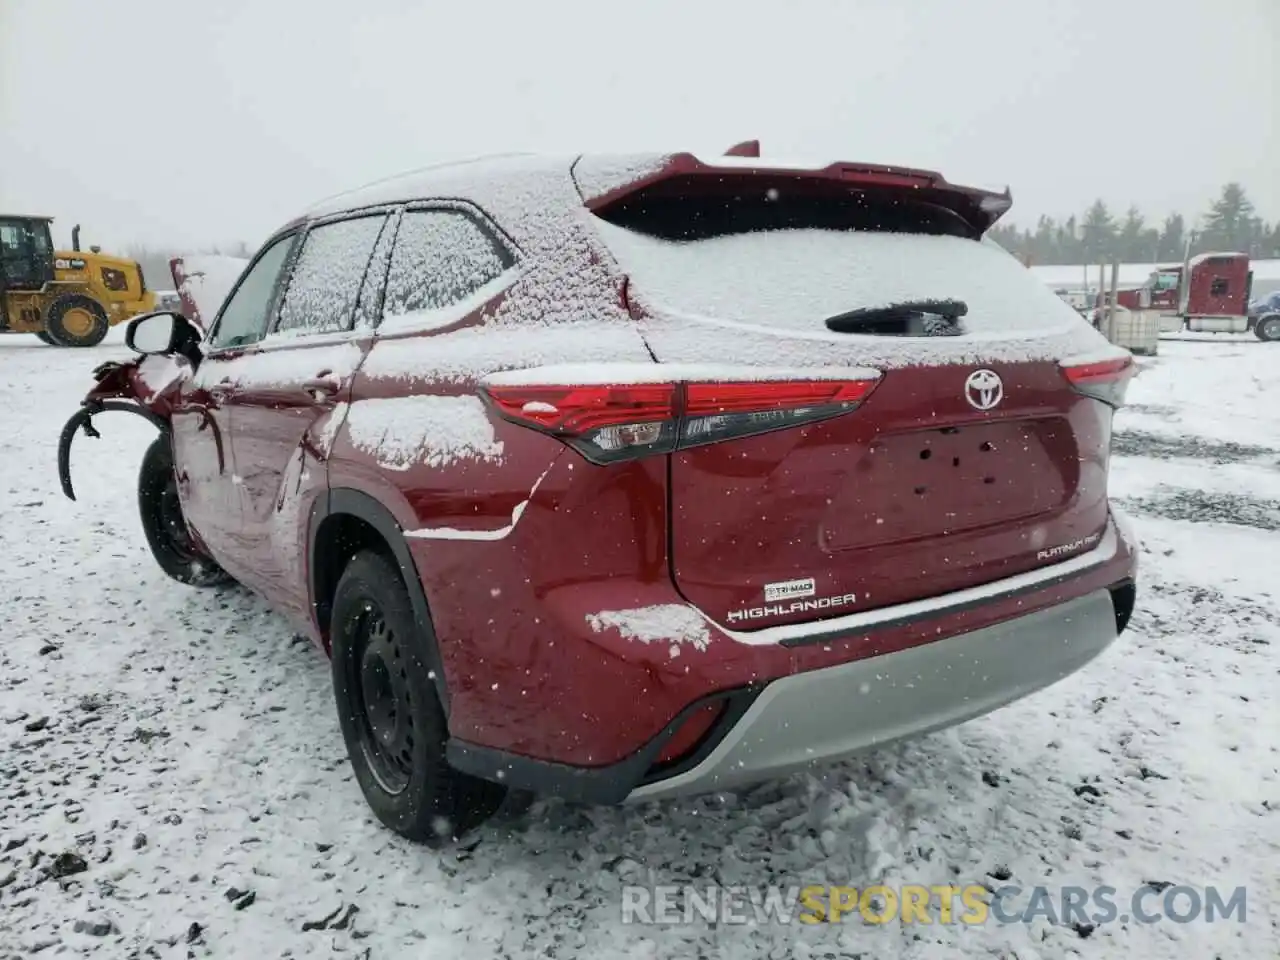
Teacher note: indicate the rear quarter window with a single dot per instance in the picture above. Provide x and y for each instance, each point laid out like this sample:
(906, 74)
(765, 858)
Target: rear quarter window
(441, 257)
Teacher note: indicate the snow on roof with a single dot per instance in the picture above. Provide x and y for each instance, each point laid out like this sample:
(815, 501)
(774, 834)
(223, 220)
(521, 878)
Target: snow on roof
(1202, 257)
(410, 184)
(510, 188)
(599, 174)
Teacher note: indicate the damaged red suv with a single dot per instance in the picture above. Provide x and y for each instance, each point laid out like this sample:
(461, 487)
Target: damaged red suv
(624, 478)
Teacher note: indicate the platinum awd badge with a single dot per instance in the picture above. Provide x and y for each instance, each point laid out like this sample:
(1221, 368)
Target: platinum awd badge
(790, 589)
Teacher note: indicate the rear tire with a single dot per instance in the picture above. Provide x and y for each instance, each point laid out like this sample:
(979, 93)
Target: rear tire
(1268, 328)
(76, 321)
(162, 521)
(390, 716)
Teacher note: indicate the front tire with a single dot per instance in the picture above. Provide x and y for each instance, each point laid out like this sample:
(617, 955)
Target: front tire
(45, 338)
(1268, 328)
(391, 718)
(162, 521)
(76, 321)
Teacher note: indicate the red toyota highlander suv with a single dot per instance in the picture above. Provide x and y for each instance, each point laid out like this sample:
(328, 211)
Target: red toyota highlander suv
(623, 478)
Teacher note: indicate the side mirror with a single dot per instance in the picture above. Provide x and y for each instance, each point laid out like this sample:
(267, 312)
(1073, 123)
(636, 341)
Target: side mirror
(159, 333)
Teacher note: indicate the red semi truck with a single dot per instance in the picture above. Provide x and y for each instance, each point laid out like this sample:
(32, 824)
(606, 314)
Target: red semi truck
(1210, 292)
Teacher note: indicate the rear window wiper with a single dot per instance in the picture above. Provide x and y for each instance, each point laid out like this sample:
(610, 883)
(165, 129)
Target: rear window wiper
(921, 318)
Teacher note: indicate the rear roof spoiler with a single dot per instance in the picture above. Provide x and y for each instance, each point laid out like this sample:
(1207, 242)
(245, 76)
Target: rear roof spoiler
(980, 208)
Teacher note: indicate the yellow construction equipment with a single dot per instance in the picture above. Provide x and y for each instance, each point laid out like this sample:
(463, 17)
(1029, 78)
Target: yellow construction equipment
(67, 298)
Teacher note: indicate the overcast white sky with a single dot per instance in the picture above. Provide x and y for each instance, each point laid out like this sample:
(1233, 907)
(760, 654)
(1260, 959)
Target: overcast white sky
(199, 122)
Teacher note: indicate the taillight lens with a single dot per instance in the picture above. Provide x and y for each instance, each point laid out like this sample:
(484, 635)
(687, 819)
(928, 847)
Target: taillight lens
(603, 422)
(721, 411)
(1105, 380)
(610, 422)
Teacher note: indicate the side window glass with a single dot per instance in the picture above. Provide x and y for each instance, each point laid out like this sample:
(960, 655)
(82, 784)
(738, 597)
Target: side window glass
(244, 315)
(10, 236)
(369, 305)
(440, 257)
(321, 296)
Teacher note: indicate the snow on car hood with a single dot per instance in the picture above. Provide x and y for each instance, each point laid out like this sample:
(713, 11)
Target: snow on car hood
(204, 280)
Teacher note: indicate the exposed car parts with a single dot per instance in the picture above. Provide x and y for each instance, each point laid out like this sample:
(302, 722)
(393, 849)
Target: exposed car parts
(83, 418)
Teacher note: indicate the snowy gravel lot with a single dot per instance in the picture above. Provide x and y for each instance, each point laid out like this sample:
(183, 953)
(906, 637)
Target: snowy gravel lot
(173, 781)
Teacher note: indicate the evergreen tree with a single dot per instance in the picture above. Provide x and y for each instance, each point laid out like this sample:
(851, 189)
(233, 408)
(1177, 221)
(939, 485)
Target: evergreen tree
(1271, 241)
(1230, 223)
(1099, 229)
(1043, 242)
(1069, 249)
(1131, 241)
(1172, 239)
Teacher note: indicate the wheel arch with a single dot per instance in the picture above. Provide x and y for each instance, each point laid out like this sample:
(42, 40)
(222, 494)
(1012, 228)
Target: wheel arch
(342, 523)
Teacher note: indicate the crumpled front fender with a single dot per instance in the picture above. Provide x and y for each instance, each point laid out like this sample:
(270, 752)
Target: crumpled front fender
(84, 418)
(117, 386)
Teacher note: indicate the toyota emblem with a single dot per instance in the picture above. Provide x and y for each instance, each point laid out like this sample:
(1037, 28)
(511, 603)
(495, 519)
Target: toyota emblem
(984, 389)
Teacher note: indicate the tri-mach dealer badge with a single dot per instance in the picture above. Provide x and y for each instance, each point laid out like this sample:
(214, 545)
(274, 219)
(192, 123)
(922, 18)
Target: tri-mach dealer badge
(790, 589)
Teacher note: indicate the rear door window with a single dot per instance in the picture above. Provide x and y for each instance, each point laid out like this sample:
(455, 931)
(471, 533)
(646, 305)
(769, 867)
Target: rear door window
(441, 259)
(327, 277)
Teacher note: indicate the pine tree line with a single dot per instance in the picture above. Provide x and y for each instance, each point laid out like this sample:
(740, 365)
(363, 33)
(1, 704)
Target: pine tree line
(1098, 237)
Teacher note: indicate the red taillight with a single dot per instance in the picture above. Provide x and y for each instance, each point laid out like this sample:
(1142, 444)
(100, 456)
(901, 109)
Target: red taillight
(603, 422)
(580, 409)
(708, 398)
(722, 411)
(1104, 380)
(609, 422)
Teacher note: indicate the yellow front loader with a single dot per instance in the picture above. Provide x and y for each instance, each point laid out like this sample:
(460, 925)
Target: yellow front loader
(67, 298)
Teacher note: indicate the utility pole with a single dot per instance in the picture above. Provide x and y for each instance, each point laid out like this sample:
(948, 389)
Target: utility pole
(1102, 297)
(1111, 310)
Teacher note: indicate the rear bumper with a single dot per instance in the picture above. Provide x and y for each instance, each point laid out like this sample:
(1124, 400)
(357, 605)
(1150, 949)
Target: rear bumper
(841, 710)
(835, 712)
(845, 685)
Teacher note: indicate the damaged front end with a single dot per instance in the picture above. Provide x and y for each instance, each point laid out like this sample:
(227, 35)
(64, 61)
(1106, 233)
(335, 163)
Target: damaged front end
(117, 386)
(168, 345)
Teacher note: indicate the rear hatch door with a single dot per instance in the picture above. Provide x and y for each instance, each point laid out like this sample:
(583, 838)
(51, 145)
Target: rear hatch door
(973, 459)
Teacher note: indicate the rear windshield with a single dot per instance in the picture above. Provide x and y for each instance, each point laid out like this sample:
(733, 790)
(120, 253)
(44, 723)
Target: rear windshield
(689, 209)
(786, 265)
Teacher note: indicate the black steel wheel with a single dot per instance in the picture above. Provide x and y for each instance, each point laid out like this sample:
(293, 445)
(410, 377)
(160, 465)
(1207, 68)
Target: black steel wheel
(165, 527)
(385, 713)
(390, 714)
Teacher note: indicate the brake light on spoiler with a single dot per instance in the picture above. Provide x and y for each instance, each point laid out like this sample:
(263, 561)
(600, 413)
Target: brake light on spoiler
(617, 417)
(1105, 380)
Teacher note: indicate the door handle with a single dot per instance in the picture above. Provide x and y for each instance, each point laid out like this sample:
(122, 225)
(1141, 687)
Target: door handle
(322, 388)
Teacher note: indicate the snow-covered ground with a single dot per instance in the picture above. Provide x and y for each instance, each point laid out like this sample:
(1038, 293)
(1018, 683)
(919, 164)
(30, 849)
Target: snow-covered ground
(173, 781)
